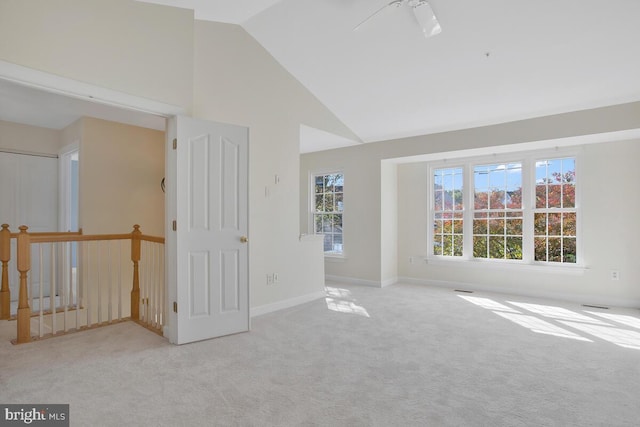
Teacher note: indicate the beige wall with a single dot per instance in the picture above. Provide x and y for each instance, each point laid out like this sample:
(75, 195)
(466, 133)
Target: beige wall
(388, 223)
(16, 136)
(124, 45)
(238, 82)
(604, 248)
(121, 167)
(72, 134)
(216, 71)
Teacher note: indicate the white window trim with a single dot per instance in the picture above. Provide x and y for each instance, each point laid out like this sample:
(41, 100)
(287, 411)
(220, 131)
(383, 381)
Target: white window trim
(528, 160)
(329, 256)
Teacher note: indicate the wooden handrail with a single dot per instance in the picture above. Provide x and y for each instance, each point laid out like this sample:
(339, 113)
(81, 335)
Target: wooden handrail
(50, 238)
(77, 236)
(152, 239)
(51, 233)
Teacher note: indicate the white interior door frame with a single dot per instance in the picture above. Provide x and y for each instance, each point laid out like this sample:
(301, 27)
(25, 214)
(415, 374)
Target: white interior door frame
(64, 185)
(92, 93)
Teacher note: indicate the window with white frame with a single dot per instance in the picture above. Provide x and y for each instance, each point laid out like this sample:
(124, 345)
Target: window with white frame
(523, 209)
(328, 209)
(497, 211)
(555, 213)
(448, 211)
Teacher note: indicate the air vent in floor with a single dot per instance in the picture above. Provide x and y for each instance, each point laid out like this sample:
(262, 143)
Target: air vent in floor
(595, 306)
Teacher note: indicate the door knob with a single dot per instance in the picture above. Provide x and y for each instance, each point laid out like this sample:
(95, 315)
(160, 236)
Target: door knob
(244, 239)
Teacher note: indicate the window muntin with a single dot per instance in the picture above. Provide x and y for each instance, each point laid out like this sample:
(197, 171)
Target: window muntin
(523, 210)
(555, 214)
(328, 210)
(498, 213)
(448, 211)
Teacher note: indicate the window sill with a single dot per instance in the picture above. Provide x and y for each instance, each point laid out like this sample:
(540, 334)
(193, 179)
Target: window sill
(569, 269)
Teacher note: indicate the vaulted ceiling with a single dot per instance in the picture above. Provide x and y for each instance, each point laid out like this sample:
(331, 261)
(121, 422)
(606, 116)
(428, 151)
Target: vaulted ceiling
(495, 60)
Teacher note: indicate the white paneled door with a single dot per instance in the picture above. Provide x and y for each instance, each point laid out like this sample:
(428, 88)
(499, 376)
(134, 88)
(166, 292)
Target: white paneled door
(207, 196)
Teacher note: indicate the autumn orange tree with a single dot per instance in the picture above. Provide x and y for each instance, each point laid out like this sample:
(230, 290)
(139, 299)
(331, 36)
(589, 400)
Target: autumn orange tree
(555, 219)
(497, 224)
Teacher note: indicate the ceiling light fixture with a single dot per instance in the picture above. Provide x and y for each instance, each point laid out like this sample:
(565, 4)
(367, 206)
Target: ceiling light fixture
(426, 18)
(422, 11)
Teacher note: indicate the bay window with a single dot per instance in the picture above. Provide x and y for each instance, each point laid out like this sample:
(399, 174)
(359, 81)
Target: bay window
(520, 210)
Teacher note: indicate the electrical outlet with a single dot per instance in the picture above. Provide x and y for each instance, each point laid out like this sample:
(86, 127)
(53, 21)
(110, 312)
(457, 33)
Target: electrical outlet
(269, 279)
(275, 278)
(614, 274)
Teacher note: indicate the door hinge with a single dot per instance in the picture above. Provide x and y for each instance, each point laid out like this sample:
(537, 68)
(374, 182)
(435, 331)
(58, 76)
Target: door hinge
(175, 307)
(174, 225)
(175, 143)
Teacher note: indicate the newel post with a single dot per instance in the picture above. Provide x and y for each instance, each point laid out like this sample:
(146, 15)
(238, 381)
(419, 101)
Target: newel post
(24, 265)
(135, 257)
(5, 256)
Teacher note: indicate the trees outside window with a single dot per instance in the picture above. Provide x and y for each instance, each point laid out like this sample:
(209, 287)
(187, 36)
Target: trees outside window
(555, 211)
(448, 212)
(328, 210)
(497, 211)
(522, 211)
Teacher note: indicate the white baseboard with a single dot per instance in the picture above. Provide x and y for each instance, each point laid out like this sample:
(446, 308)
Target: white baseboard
(288, 303)
(598, 300)
(353, 281)
(389, 282)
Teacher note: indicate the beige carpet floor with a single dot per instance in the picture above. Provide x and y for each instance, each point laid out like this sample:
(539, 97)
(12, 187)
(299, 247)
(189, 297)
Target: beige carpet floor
(405, 355)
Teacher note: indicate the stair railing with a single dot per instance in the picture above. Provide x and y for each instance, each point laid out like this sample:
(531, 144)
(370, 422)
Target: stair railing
(79, 281)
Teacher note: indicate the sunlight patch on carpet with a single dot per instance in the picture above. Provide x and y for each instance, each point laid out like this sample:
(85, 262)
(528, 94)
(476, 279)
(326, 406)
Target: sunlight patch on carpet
(557, 313)
(622, 337)
(541, 326)
(489, 304)
(587, 324)
(620, 318)
(341, 301)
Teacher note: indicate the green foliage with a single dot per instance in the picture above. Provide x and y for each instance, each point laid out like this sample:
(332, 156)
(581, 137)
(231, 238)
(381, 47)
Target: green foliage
(498, 218)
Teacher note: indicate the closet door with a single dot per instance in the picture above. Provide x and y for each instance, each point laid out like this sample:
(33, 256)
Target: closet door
(29, 192)
(28, 196)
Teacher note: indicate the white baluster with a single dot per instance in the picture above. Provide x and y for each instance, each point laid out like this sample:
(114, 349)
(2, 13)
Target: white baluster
(110, 279)
(41, 293)
(88, 282)
(120, 279)
(52, 289)
(99, 289)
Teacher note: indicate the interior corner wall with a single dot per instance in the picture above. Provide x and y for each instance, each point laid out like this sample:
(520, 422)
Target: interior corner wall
(362, 237)
(388, 223)
(124, 45)
(237, 81)
(604, 248)
(121, 167)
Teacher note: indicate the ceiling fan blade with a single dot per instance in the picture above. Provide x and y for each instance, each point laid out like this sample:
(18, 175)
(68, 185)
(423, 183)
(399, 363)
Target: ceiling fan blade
(393, 3)
(426, 19)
